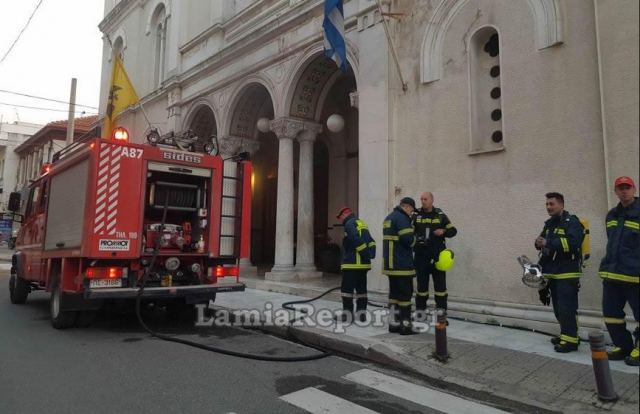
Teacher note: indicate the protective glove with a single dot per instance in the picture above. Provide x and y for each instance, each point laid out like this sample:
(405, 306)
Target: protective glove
(545, 296)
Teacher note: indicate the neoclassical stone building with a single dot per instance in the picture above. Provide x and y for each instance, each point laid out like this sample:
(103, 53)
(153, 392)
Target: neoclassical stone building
(503, 100)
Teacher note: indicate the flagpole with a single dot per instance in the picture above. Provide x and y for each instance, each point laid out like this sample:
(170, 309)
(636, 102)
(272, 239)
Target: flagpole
(393, 50)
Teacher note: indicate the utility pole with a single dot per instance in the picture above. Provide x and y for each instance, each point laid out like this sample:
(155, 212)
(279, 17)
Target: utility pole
(72, 110)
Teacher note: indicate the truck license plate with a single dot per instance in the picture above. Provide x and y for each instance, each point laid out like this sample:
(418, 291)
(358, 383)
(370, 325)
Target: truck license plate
(105, 283)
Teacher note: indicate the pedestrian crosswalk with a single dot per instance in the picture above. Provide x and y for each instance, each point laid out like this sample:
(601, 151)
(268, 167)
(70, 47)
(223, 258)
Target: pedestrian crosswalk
(314, 400)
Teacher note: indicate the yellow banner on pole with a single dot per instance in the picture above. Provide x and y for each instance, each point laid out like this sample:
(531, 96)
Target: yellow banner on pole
(121, 96)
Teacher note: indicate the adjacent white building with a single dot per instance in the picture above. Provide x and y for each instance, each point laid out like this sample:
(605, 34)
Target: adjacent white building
(11, 136)
(504, 100)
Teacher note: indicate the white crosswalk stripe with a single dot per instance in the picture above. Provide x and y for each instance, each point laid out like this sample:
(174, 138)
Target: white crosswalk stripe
(417, 394)
(316, 401)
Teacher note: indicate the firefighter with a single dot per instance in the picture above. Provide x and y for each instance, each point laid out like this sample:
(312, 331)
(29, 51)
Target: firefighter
(432, 226)
(399, 240)
(560, 258)
(359, 249)
(620, 271)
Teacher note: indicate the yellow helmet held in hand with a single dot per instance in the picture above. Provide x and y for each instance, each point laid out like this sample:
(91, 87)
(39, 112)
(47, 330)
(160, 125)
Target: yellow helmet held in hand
(445, 260)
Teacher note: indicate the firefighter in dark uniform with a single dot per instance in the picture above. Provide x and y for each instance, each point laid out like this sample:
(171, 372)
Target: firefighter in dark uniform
(398, 242)
(620, 272)
(359, 249)
(431, 226)
(561, 260)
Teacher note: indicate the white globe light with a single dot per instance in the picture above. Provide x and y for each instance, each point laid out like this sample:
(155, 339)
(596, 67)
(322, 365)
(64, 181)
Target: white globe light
(263, 125)
(335, 123)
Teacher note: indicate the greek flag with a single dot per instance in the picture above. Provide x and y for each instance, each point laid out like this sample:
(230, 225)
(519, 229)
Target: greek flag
(334, 44)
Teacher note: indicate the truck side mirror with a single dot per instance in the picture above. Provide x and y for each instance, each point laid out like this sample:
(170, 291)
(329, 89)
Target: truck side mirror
(14, 201)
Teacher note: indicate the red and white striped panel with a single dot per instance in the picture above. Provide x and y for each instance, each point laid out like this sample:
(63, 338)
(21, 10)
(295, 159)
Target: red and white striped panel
(106, 217)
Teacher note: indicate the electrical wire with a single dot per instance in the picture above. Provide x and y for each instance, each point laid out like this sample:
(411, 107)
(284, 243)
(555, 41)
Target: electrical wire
(322, 354)
(21, 31)
(46, 109)
(45, 99)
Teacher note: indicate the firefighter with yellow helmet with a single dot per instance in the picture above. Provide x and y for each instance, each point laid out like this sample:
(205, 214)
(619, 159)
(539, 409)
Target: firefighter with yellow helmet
(432, 258)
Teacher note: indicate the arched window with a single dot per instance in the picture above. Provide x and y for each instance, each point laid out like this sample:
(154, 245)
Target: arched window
(486, 91)
(118, 46)
(159, 30)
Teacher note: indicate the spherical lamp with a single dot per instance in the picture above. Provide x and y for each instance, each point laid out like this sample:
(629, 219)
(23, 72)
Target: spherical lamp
(263, 125)
(335, 123)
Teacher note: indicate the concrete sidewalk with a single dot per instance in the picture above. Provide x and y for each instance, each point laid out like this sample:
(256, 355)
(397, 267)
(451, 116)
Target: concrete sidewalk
(488, 362)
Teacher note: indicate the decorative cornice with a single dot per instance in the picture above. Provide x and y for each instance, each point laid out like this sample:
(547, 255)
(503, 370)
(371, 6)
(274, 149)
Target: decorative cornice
(115, 15)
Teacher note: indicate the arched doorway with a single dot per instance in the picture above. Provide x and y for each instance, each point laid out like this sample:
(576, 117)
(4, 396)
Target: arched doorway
(203, 123)
(252, 103)
(321, 90)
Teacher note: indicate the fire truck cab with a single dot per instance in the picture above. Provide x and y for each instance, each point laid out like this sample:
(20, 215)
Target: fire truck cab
(93, 222)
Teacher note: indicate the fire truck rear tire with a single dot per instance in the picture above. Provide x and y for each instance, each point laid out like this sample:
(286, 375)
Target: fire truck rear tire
(18, 289)
(60, 319)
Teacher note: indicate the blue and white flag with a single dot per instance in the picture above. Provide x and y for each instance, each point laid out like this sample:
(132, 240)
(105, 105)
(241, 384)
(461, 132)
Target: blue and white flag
(334, 44)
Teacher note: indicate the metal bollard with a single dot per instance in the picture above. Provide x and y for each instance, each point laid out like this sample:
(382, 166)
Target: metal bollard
(604, 383)
(441, 337)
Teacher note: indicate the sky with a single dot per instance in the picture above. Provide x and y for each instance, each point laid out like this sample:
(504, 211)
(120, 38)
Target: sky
(61, 42)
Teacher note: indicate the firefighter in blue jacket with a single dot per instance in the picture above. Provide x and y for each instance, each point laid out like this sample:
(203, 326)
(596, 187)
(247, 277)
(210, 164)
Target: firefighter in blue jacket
(561, 259)
(398, 242)
(359, 249)
(431, 226)
(620, 272)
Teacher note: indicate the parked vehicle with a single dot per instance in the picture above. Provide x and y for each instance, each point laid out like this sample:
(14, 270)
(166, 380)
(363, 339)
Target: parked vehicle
(93, 223)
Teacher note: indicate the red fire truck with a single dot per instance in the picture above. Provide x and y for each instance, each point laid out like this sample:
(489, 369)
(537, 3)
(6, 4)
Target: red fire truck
(93, 222)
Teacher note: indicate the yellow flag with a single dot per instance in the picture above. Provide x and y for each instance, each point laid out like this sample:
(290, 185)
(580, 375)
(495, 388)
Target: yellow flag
(121, 96)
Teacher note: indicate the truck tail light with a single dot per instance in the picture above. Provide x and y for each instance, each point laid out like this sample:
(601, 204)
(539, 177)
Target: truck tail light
(105, 272)
(224, 271)
(219, 271)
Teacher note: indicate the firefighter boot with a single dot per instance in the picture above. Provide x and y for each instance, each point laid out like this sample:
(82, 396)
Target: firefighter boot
(361, 309)
(406, 327)
(564, 347)
(556, 340)
(394, 324)
(634, 357)
(618, 354)
(347, 311)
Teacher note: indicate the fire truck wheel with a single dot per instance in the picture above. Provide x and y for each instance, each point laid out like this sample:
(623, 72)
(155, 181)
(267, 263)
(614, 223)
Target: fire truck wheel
(60, 319)
(18, 289)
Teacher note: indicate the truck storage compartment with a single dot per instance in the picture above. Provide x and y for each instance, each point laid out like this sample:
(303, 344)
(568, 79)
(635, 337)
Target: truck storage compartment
(186, 193)
(67, 207)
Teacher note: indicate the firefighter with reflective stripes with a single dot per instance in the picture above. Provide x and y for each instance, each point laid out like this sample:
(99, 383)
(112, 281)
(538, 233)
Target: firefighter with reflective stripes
(432, 226)
(359, 249)
(561, 260)
(620, 272)
(398, 242)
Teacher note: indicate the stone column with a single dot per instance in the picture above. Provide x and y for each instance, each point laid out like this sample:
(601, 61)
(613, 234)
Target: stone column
(286, 129)
(305, 267)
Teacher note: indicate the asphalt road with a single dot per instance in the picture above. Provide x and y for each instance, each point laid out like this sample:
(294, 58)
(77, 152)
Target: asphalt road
(113, 365)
